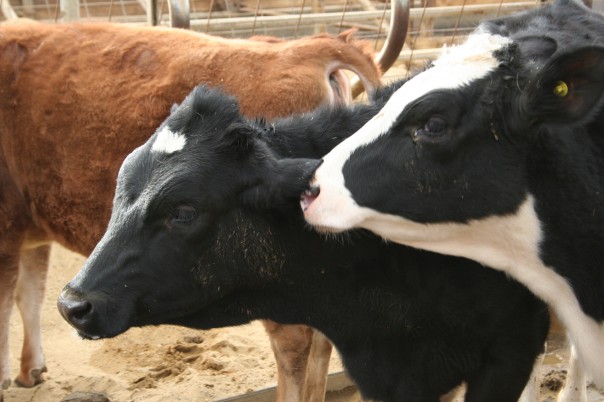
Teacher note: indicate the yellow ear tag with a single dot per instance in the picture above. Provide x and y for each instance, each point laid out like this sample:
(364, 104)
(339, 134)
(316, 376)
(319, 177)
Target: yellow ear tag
(561, 89)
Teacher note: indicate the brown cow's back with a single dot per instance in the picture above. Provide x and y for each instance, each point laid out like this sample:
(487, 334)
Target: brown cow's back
(77, 98)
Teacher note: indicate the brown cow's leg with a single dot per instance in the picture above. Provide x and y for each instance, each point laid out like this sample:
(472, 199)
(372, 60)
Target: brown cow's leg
(8, 279)
(291, 345)
(14, 219)
(317, 368)
(30, 294)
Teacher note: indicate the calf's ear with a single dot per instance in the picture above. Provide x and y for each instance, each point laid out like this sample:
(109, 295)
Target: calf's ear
(569, 89)
(239, 138)
(294, 176)
(284, 184)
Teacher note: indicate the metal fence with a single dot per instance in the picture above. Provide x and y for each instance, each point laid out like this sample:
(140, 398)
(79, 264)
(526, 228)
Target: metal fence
(423, 25)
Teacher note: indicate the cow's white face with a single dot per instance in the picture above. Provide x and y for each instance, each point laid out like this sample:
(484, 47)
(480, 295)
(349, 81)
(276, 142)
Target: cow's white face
(335, 208)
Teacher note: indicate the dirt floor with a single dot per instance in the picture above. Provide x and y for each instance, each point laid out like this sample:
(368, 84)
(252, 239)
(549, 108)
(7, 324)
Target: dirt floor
(171, 363)
(145, 364)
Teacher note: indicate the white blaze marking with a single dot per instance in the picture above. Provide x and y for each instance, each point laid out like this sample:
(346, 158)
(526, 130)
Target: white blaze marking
(168, 142)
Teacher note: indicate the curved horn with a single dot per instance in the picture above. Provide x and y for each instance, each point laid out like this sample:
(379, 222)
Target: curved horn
(399, 23)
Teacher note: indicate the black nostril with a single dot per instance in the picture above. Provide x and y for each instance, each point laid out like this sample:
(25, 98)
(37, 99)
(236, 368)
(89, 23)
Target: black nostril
(80, 309)
(313, 191)
(309, 196)
(75, 309)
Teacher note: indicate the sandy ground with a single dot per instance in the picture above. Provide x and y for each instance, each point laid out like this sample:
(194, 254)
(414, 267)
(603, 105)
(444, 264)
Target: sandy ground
(145, 364)
(172, 363)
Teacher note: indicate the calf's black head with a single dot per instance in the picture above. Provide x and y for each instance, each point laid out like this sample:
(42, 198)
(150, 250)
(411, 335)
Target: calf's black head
(177, 216)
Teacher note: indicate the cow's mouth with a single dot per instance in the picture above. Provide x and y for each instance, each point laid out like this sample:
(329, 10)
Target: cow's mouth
(226, 311)
(306, 200)
(89, 337)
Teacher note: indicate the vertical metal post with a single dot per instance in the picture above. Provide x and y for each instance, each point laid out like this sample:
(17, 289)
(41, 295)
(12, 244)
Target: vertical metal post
(70, 10)
(7, 10)
(28, 7)
(179, 13)
(318, 7)
(152, 12)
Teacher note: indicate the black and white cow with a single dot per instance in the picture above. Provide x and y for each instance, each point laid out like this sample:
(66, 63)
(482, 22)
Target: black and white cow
(206, 231)
(494, 153)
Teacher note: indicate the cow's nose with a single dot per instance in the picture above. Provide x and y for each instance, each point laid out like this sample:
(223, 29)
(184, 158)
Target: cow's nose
(309, 196)
(74, 308)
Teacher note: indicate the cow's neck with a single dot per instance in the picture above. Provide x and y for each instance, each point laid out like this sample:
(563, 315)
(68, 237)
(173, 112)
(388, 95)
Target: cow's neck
(304, 136)
(563, 170)
(328, 264)
(513, 244)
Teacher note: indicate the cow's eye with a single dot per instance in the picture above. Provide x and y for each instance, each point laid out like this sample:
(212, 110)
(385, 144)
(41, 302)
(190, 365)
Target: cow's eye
(183, 215)
(434, 127)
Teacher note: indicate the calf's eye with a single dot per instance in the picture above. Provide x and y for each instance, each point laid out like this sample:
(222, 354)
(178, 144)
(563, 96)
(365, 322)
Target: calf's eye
(183, 215)
(434, 127)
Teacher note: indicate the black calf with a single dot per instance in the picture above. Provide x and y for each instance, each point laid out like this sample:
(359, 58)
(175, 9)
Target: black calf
(206, 232)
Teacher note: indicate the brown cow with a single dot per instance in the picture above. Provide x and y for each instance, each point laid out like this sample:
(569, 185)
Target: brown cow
(75, 99)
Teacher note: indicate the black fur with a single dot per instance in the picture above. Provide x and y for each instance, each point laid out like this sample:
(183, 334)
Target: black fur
(509, 136)
(212, 236)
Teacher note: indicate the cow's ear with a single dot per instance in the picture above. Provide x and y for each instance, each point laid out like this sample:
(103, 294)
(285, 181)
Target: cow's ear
(239, 137)
(568, 89)
(284, 184)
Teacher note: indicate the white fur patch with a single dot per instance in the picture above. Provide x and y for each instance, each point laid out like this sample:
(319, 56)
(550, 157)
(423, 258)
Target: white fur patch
(168, 142)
